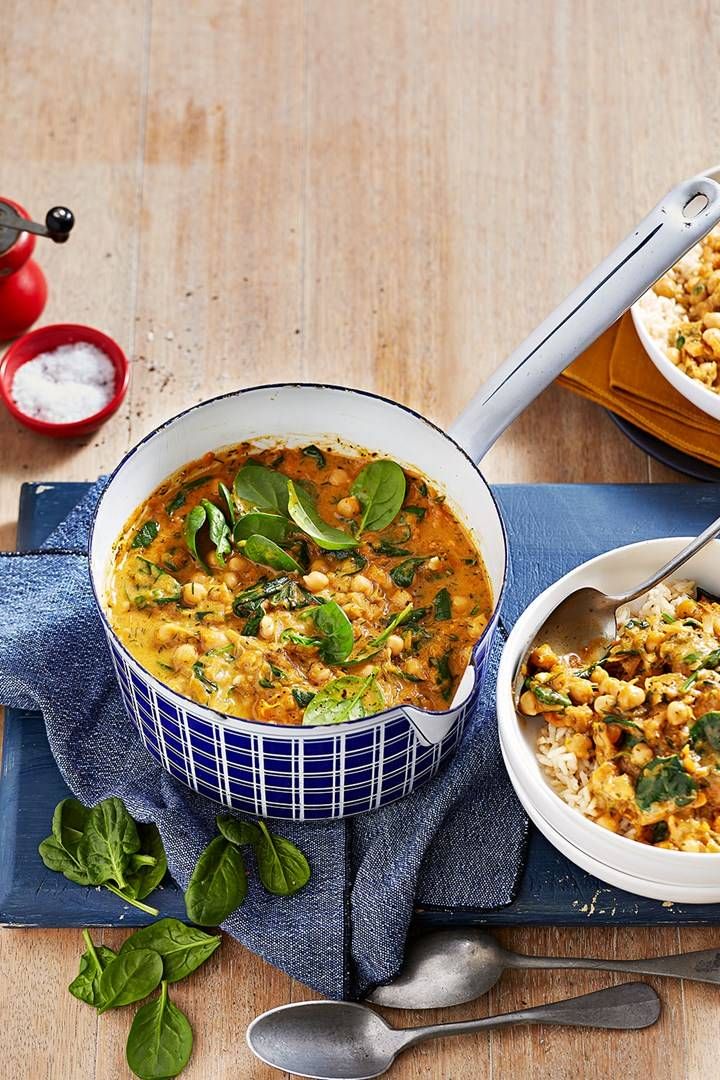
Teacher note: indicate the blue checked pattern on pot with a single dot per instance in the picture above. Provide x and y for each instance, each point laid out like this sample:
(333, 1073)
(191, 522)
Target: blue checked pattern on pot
(281, 771)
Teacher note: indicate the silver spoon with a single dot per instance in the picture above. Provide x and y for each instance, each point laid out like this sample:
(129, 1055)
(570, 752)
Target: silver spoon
(589, 615)
(336, 1040)
(447, 967)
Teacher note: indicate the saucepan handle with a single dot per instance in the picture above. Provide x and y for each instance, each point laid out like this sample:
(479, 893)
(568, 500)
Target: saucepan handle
(680, 220)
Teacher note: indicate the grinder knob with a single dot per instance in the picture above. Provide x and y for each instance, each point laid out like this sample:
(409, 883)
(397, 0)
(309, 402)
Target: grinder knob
(59, 222)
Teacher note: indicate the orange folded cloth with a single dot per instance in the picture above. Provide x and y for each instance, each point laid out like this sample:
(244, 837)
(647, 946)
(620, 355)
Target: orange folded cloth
(617, 373)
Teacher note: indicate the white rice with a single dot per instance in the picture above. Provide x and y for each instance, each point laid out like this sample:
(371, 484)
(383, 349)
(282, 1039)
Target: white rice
(661, 316)
(568, 776)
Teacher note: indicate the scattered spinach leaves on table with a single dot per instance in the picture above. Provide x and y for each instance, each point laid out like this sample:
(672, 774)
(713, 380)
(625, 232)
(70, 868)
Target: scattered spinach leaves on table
(86, 984)
(218, 884)
(182, 948)
(282, 867)
(130, 977)
(160, 1041)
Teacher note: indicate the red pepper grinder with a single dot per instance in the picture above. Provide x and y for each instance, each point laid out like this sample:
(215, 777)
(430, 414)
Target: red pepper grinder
(23, 289)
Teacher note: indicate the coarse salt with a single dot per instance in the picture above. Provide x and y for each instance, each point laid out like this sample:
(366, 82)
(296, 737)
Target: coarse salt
(70, 383)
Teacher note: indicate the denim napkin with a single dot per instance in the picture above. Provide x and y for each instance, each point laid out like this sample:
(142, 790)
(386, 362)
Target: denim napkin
(458, 842)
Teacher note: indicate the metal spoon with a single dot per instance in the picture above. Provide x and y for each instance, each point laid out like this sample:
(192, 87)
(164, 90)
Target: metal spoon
(336, 1040)
(590, 615)
(447, 967)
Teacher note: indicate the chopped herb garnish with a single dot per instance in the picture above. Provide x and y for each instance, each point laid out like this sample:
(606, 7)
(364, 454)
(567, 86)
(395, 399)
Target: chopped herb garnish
(145, 535)
(199, 672)
(667, 618)
(679, 341)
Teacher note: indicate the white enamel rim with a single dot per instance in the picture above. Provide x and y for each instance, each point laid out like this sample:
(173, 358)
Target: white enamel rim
(695, 392)
(617, 569)
(466, 686)
(678, 894)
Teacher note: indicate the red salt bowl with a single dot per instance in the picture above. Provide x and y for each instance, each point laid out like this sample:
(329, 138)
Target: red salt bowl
(46, 339)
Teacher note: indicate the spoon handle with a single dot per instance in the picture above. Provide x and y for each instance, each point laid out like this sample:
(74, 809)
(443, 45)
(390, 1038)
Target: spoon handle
(629, 1006)
(702, 966)
(673, 564)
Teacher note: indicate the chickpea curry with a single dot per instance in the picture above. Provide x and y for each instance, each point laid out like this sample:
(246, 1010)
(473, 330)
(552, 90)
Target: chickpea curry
(633, 736)
(299, 586)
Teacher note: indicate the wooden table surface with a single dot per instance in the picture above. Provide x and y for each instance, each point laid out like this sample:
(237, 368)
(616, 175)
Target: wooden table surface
(388, 194)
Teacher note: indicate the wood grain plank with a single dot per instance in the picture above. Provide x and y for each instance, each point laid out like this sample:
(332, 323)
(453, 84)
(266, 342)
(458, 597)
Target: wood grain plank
(390, 195)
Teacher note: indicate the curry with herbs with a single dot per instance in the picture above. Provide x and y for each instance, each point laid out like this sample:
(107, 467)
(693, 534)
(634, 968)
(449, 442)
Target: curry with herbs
(299, 586)
(633, 734)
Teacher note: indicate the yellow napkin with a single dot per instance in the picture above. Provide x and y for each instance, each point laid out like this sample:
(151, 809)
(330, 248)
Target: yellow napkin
(617, 373)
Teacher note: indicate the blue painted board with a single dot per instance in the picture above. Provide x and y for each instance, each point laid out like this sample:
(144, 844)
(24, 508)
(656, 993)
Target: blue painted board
(552, 891)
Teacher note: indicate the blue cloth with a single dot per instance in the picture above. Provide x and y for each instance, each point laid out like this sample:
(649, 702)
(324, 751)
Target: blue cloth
(457, 842)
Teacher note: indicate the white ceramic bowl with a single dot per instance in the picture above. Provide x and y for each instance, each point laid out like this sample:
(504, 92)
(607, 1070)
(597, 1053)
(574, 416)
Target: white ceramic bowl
(655, 872)
(704, 399)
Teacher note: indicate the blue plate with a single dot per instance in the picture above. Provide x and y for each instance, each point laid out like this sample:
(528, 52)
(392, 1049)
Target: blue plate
(665, 454)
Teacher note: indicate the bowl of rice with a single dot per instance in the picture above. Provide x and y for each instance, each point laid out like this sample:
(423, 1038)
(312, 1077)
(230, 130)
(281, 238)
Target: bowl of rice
(678, 322)
(614, 749)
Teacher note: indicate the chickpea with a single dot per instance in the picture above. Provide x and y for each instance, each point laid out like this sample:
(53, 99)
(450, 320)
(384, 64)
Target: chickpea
(193, 593)
(413, 667)
(641, 754)
(543, 657)
(212, 560)
(631, 696)
(267, 627)
(608, 822)
(231, 579)
(460, 604)
(685, 607)
(166, 633)
(395, 644)
(434, 563)
(580, 691)
(678, 713)
(711, 319)
(578, 744)
(712, 339)
(348, 507)
(235, 564)
(338, 477)
(212, 638)
(315, 581)
(184, 656)
(608, 685)
(362, 584)
(604, 703)
(529, 704)
(319, 673)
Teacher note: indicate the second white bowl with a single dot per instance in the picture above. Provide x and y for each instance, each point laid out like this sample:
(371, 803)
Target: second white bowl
(614, 571)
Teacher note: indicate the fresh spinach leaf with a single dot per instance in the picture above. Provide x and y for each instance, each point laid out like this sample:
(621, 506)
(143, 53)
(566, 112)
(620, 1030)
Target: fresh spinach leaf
(182, 494)
(338, 639)
(404, 573)
(302, 697)
(68, 824)
(226, 495)
(86, 984)
(415, 617)
(109, 839)
(443, 677)
(262, 488)
(708, 663)
(547, 696)
(705, 732)
(141, 879)
(145, 535)
(272, 526)
(199, 673)
(347, 698)
(300, 639)
(316, 454)
(182, 948)
(280, 592)
(237, 832)
(61, 861)
(380, 489)
(663, 780)
(377, 643)
(282, 867)
(193, 524)
(417, 511)
(218, 884)
(385, 547)
(219, 530)
(358, 561)
(160, 1041)
(442, 607)
(259, 549)
(303, 513)
(131, 976)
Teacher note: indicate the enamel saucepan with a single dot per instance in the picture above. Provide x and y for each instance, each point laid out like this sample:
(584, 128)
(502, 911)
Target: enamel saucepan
(327, 772)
